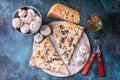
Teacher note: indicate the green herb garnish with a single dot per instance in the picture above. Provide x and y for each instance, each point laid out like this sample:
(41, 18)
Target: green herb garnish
(76, 33)
(63, 32)
(63, 54)
(46, 53)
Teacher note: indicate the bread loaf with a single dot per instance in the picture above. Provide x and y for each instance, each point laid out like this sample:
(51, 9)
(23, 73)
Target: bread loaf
(60, 11)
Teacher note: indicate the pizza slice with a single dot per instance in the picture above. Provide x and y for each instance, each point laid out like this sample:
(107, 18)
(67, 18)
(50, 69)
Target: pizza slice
(67, 37)
(45, 56)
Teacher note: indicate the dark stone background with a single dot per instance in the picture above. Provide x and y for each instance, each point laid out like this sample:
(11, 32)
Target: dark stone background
(16, 48)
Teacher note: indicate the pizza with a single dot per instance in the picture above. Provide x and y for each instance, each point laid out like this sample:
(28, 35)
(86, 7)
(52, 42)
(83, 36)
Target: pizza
(45, 56)
(67, 37)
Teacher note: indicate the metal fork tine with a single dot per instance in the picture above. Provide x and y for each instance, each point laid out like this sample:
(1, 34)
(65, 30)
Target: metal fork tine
(101, 39)
(102, 36)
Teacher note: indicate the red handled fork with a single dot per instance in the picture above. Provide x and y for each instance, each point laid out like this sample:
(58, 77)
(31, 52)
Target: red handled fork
(96, 53)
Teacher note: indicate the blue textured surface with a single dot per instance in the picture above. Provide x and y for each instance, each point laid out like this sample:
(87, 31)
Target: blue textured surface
(16, 48)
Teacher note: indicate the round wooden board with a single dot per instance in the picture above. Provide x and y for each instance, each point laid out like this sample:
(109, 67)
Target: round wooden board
(73, 67)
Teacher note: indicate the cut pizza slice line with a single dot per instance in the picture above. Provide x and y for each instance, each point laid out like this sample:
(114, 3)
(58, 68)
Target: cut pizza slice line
(45, 56)
(67, 37)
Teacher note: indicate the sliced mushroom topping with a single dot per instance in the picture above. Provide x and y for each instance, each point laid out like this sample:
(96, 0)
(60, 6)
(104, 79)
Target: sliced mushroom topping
(74, 45)
(62, 40)
(72, 39)
(70, 43)
(69, 50)
(59, 45)
(64, 32)
(55, 55)
(55, 59)
(61, 26)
